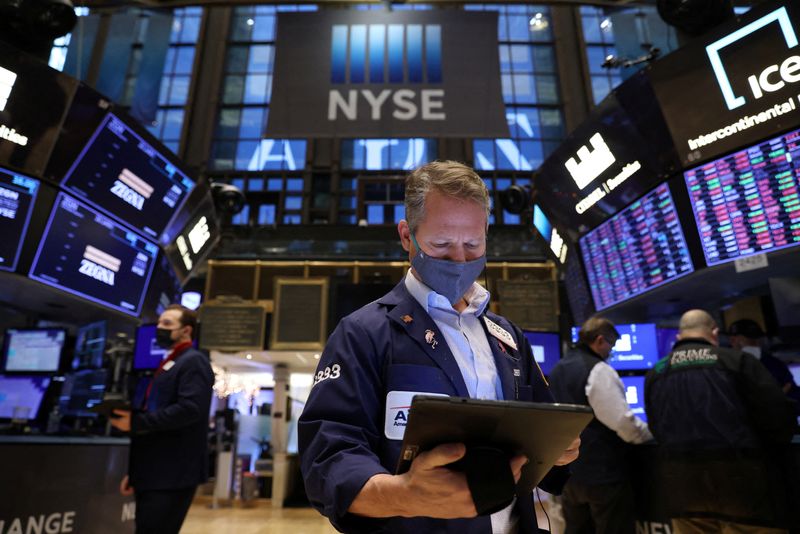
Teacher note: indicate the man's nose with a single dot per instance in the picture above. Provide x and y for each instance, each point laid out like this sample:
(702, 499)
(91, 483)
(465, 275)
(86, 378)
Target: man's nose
(457, 254)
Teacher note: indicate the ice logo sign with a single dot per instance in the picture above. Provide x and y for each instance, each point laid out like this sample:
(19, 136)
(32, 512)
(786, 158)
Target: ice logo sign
(7, 79)
(774, 77)
(590, 163)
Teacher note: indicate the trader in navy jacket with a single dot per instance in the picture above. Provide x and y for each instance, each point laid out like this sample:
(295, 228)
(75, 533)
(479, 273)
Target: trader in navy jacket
(431, 334)
(169, 434)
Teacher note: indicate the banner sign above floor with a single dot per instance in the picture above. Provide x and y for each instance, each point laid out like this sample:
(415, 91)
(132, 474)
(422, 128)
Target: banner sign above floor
(402, 74)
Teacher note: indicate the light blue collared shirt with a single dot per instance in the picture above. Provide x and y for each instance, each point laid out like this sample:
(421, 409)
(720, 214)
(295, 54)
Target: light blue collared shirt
(464, 335)
(467, 340)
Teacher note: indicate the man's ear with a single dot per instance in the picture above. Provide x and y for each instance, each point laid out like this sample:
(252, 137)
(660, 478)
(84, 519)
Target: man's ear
(405, 235)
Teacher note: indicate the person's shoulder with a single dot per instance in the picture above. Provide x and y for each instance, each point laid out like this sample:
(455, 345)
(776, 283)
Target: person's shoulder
(370, 320)
(194, 357)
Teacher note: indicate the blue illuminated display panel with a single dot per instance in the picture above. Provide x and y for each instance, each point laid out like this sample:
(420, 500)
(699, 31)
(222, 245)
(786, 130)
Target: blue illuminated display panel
(123, 175)
(546, 348)
(747, 203)
(640, 248)
(635, 350)
(634, 395)
(87, 254)
(17, 195)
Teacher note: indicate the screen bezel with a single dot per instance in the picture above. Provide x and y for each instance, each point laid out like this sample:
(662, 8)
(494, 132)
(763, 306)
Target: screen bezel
(689, 249)
(61, 287)
(26, 225)
(696, 224)
(20, 372)
(34, 415)
(106, 119)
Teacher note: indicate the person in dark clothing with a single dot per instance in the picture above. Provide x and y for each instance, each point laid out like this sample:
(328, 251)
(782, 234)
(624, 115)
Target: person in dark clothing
(746, 335)
(169, 455)
(718, 417)
(598, 496)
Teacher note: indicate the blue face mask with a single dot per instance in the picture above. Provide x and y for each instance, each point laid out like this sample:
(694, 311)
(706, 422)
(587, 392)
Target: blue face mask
(451, 279)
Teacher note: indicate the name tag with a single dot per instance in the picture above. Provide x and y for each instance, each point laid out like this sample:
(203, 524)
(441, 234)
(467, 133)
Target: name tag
(500, 333)
(398, 404)
(169, 365)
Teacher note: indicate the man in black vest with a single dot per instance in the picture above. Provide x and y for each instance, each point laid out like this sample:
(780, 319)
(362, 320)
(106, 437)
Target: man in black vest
(720, 419)
(598, 496)
(169, 435)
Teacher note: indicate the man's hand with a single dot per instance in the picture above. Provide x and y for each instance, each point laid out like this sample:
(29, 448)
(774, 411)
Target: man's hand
(571, 454)
(122, 421)
(125, 488)
(428, 489)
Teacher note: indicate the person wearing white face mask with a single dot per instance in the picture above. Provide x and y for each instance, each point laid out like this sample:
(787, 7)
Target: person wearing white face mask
(432, 334)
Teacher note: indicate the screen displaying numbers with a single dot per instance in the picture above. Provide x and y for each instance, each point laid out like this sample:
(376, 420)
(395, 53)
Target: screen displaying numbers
(638, 249)
(747, 203)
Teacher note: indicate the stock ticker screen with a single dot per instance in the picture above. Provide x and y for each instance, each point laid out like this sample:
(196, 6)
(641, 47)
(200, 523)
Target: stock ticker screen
(747, 203)
(17, 195)
(123, 175)
(636, 250)
(85, 253)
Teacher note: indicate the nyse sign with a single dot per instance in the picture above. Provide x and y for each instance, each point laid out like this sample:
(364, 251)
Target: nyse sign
(398, 74)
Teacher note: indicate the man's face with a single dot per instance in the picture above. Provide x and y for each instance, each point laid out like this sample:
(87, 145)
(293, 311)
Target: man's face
(171, 320)
(452, 229)
(605, 346)
(737, 342)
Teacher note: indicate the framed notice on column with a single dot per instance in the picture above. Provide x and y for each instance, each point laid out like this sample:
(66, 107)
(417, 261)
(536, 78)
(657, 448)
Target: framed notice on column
(300, 319)
(232, 327)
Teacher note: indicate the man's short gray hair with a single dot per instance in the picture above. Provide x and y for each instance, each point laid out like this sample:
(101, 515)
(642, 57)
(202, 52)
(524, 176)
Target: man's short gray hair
(450, 178)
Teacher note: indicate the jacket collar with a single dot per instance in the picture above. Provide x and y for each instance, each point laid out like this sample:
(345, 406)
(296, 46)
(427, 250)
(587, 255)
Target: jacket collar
(416, 323)
(404, 306)
(506, 359)
(692, 341)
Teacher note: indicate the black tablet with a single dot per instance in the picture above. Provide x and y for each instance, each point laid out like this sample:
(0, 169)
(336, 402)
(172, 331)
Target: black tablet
(540, 431)
(108, 406)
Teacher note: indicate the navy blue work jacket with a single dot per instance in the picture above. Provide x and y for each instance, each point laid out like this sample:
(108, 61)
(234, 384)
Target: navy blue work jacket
(169, 441)
(382, 348)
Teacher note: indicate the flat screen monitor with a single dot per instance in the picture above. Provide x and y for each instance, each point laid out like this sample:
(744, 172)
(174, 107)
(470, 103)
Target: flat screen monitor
(635, 350)
(666, 339)
(126, 177)
(195, 240)
(794, 368)
(146, 354)
(555, 241)
(33, 102)
(17, 196)
(748, 203)
(164, 289)
(21, 396)
(578, 295)
(90, 346)
(638, 249)
(87, 254)
(634, 394)
(36, 350)
(606, 162)
(81, 391)
(546, 347)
